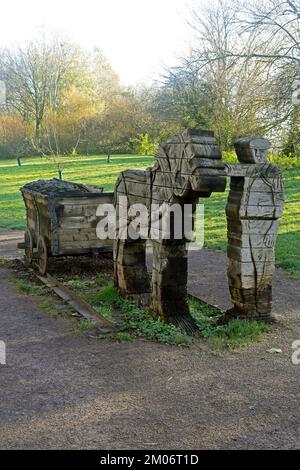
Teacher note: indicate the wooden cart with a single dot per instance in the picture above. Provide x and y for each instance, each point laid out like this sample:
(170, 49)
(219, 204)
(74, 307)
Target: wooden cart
(62, 220)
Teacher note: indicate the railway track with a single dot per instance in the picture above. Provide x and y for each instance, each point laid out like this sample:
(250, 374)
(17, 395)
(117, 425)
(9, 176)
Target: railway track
(70, 298)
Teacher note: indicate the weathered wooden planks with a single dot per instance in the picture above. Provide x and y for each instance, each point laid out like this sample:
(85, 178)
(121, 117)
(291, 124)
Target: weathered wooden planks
(188, 166)
(67, 221)
(255, 203)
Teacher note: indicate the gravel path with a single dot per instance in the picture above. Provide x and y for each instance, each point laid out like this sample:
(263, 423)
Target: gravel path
(8, 243)
(61, 391)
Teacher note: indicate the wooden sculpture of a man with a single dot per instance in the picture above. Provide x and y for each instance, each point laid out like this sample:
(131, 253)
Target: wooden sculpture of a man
(254, 206)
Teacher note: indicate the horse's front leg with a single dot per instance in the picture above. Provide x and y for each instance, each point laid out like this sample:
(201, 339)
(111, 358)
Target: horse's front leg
(130, 270)
(169, 298)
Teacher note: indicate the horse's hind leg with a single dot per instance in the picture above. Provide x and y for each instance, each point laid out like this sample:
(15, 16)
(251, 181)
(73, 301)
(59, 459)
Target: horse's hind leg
(130, 270)
(169, 298)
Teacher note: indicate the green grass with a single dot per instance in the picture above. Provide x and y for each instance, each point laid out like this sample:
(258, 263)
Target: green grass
(25, 286)
(288, 241)
(139, 322)
(96, 170)
(236, 334)
(81, 326)
(233, 336)
(80, 283)
(86, 170)
(121, 337)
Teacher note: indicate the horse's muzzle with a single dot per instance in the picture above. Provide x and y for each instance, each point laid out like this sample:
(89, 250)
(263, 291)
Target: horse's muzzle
(208, 180)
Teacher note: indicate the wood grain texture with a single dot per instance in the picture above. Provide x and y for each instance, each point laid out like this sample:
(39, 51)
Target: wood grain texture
(187, 166)
(255, 203)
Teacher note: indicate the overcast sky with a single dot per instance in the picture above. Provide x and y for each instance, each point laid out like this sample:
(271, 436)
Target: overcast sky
(137, 36)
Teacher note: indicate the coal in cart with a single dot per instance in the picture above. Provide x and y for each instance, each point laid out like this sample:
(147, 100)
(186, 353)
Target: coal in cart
(62, 220)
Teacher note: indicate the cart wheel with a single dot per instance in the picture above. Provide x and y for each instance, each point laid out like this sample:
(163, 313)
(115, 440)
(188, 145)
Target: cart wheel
(42, 255)
(28, 240)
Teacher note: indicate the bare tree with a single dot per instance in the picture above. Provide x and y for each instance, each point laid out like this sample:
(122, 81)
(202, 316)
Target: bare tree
(34, 75)
(272, 27)
(225, 91)
(241, 66)
(277, 24)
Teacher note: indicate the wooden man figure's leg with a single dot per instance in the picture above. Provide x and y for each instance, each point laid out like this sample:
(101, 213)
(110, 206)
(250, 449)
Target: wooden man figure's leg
(251, 264)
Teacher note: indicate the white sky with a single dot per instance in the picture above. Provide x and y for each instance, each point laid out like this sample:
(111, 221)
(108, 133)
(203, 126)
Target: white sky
(137, 36)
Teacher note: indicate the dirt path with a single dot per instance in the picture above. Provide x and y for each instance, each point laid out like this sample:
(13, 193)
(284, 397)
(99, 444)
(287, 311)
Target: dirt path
(8, 243)
(60, 391)
(208, 281)
(207, 278)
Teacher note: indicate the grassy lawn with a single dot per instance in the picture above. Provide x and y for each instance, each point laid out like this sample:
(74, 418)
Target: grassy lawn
(288, 241)
(89, 170)
(96, 170)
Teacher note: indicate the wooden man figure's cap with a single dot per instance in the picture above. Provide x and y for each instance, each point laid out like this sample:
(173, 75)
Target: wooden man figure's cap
(252, 149)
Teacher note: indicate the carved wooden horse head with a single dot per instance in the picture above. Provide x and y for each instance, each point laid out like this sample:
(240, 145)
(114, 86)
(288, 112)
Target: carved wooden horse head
(190, 165)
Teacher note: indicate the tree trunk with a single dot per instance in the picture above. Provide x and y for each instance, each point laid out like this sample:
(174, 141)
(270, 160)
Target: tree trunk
(37, 131)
